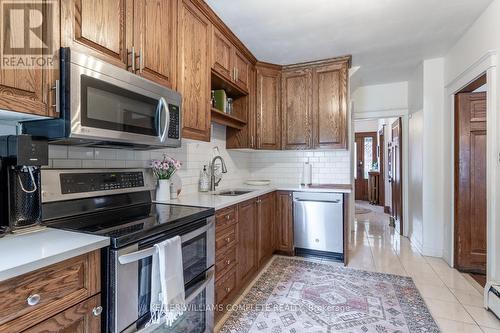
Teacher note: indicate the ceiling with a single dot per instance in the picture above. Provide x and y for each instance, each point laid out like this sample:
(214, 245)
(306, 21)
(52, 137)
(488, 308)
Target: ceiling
(387, 38)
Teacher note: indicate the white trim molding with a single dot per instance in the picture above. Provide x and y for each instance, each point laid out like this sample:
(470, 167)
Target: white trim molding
(486, 64)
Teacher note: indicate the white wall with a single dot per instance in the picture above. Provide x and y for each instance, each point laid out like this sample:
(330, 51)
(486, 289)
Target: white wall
(361, 126)
(416, 128)
(381, 98)
(470, 52)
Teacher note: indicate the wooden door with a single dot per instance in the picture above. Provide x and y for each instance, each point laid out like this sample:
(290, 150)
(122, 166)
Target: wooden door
(284, 222)
(153, 39)
(222, 54)
(365, 155)
(247, 240)
(242, 70)
(31, 89)
(395, 176)
(381, 165)
(267, 208)
(470, 182)
(296, 106)
(268, 108)
(97, 28)
(194, 71)
(330, 106)
(81, 318)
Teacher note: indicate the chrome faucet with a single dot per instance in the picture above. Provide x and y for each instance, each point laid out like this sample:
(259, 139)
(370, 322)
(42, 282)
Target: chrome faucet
(214, 183)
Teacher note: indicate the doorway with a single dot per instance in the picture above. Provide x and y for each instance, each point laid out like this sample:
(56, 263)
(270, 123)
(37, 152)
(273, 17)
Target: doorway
(395, 174)
(365, 155)
(470, 178)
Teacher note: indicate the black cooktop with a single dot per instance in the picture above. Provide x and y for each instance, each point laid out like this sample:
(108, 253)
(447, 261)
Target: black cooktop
(125, 219)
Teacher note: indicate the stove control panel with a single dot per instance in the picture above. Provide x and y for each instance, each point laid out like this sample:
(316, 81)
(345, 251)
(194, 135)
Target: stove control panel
(100, 181)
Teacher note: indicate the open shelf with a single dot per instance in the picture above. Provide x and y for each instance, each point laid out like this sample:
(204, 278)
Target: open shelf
(225, 119)
(232, 90)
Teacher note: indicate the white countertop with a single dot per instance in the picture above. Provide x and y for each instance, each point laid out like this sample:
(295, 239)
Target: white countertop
(208, 199)
(23, 253)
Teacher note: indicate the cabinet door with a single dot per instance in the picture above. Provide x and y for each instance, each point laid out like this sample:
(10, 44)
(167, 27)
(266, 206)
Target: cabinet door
(194, 71)
(97, 28)
(242, 70)
(284, 222)
(267, 209)
(31, 89)
(84, 317)
(330, 105)
(296, 109)
(268, 108)
(154, 39)
(222, 54)
(247, 240)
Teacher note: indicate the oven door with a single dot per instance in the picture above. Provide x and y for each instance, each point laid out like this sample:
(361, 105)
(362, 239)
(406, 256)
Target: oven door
(131, 275)
(108, 103)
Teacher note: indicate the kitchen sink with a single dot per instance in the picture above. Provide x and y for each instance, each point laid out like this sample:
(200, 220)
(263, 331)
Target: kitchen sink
(233, 193)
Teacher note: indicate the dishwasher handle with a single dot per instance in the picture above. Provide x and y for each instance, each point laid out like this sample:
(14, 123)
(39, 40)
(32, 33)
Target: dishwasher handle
(315, 200)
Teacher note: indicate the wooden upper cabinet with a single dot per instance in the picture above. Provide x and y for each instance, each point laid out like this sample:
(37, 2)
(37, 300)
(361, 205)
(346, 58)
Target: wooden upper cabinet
(222, 54)
(153, 39)
(296, 109)
(31, 89)
(330, 105)
(242, 70)
(268, 125)
(193, 79)
(97, 28)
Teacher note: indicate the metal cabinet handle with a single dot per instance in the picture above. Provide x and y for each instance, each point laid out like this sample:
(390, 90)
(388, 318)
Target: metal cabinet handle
(141, 60)
(228, 262)
(33, 299)
(132, 53)
(228, 240)
(58, 96)
(228, 289)
(96, 312)
(227, 217)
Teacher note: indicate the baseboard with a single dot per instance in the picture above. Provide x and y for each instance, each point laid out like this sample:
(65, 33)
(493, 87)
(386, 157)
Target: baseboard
(432, 252)
(387, 210)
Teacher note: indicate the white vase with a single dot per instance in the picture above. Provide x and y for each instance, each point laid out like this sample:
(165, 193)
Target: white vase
(163, 190)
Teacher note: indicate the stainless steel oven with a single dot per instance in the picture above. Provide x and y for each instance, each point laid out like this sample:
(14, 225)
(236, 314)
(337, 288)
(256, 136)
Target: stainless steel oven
(104, 105)
(130, 278)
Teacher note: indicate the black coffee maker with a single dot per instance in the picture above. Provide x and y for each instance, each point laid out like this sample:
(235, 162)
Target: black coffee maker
(21, 157)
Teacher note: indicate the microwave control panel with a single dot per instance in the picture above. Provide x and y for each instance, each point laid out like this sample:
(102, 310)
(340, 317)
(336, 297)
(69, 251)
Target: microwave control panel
(100, 181)
(174, 124)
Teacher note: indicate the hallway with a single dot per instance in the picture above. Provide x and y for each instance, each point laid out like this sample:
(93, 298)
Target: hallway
(454, 299)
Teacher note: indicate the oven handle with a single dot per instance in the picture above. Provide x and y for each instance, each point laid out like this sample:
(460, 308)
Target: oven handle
(203, 286)
(142, 254)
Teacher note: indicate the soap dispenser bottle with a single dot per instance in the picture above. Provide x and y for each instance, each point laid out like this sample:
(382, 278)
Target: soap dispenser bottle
(204, 185)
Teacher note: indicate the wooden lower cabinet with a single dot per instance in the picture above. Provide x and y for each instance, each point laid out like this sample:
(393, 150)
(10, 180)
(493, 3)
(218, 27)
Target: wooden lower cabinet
(284, 222)
(247, 240)
(265, 240)
(54, 298)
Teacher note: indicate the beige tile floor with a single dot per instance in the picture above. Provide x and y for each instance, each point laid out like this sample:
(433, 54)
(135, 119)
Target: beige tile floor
(454, 300)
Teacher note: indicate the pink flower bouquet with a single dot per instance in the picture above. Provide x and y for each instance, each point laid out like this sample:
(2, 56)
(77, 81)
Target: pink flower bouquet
(165, 168)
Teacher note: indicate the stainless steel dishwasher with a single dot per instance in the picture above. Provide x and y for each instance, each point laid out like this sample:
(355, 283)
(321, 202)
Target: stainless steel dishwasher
(319, 224)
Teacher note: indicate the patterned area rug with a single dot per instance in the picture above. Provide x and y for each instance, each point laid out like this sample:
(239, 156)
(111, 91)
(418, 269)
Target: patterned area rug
(299, 296)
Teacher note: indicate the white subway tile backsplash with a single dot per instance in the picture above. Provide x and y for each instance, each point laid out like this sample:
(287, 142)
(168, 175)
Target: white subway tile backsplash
(67, 164)
(57, 151)
(93, 164)
(105, 154)
(80, 153)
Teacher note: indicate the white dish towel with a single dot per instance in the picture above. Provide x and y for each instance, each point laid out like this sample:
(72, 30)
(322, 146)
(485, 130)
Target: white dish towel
(167, 282)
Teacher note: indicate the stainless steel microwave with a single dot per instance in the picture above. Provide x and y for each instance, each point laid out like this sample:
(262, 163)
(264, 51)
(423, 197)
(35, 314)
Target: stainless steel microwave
(104, 105)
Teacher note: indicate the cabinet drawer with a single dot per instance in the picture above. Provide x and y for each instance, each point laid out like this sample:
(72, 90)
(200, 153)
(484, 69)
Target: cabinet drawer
(224, 262)
(225, 286)
(225, 239)
(225, 218)
(31, 298)
(83, 317)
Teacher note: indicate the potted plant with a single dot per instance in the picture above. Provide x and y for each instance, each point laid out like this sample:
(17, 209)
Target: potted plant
(164, 170)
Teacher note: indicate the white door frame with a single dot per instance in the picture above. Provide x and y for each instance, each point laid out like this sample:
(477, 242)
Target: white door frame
(486, 64)
(381, 114)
